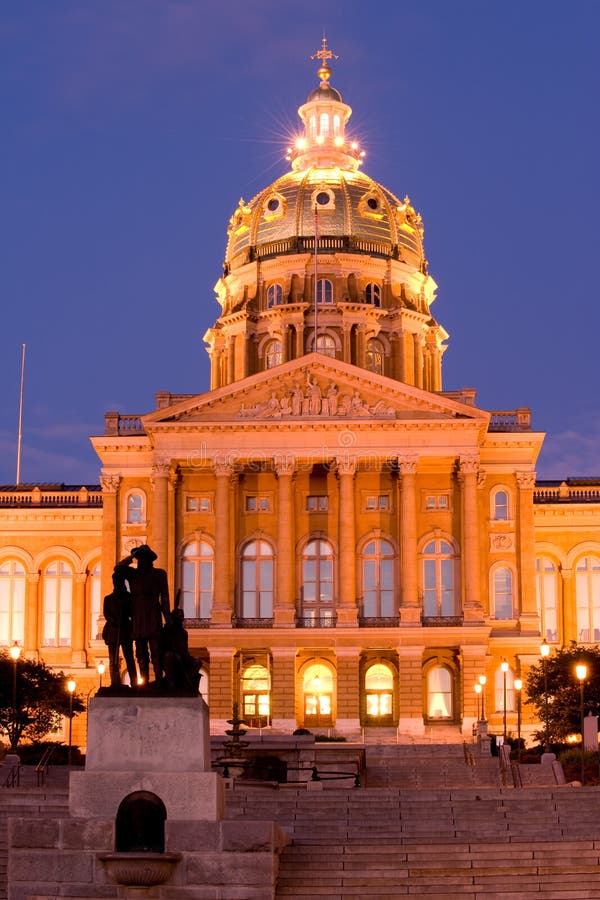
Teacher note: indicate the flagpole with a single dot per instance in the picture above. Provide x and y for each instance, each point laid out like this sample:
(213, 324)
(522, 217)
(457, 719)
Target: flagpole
(316, 271)
(20, 435)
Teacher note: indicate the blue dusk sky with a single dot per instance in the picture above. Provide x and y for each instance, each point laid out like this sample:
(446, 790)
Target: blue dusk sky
(131, 128)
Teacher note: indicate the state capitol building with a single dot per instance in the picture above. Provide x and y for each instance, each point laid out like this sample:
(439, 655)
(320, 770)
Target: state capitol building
(354, 545)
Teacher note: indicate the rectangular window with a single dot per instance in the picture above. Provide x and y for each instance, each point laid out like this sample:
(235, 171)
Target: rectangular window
(377, 502)
(257, 503)
(437, 501)
(317, 503)
(197, 504)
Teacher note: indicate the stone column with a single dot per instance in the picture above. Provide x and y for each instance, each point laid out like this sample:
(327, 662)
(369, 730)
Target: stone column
(283, 689)
(468, 472)
(78, 629)
(567, 603)
(230, 355)
(410, 662)
(346, 347)
(529, 619)
(299, 340)
(32, 606)
(285, 605)
(284, 342)
(160, 510)
(418, 350)
(347, 612)
(172, 537)
(410, 608)
(110, 529)
(361, 346)
(348, 691)
(223, 597)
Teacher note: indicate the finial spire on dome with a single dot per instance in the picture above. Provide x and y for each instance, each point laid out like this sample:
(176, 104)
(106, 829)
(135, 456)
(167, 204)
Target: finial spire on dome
(324, 54)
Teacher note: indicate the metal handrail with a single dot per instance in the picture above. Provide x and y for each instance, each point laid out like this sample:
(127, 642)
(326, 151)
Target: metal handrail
(13, 779)
(41, 770)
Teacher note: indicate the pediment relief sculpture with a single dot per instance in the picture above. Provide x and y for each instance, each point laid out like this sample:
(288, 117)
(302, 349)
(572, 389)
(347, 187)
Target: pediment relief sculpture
(312, 400)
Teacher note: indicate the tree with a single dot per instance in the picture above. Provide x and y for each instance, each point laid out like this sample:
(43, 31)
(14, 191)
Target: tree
(564, 715)
(41, 694)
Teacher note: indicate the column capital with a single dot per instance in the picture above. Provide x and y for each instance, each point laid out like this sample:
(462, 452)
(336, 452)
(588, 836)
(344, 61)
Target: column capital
(407, 463)
(174, 479)
(110, 483)
(346, 465)
(80, 577)
(284, 464)
(525, 480)
(161, 468)
(33, 577)
(468, 463)
(223, 467)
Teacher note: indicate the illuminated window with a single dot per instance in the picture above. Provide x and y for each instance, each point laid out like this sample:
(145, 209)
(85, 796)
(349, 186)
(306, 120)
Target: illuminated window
(499, 690)
(257, 581)
(502, 589)
(324, 125)
(336, 125)
(326, 345)
(57, 591)
(379, 691)
(439, 693)
(324, 291)
(312, 126)
(274, 295)
(587, 590)
(438, 574)
(500, 506)
(317, 583)
(12, 602)
(546, 592)
(375, 356)
(273, 356)
(256, 696)
(378, 579)
(197, 580)
(135, 509)
(373, 293)
(95, 601)
(317, 685)
(317, 503)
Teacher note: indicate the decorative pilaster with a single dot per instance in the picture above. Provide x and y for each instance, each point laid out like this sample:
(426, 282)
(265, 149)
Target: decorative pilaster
(160, 511)
(410, 611)
(78, 630)
(285, 607)
(283, 677)
(418, 351)
(529, 617)
(110, 529)
(468, 475)
(347, 612)
(361, 346)
(346, 351)
(568, 605)
(223, 597)
(32, 606)
(299, 340)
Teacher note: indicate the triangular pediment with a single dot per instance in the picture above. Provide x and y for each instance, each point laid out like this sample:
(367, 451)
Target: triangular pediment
(314, 388)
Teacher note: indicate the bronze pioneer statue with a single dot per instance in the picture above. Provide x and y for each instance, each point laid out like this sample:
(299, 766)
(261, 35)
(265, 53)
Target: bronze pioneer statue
(149, 592)
(117, 631)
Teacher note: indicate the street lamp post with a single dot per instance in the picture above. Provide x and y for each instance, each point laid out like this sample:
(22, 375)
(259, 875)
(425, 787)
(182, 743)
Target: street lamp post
(581, 672)
(518, 685)
(545, 652)
(71, 685)
(15, 653)
(504, 667)
(482, 681)
(478, 692)
(101, 668)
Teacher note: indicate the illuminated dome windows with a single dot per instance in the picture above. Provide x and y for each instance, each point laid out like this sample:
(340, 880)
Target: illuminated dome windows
(273, 354)
(274, 295)
(323, 199)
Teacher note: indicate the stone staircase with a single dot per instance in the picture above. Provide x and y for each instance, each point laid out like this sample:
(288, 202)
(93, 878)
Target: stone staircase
(426, 830)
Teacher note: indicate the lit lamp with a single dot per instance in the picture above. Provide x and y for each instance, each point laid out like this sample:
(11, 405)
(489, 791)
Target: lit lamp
(504, 667)
(101, 670)
(581, 672)
(482, 681)
(478, 692)
(518, 684)
(544, 653)
(71, 685)
(15, 653)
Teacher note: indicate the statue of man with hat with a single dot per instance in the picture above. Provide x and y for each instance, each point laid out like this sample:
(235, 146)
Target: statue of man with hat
(149, 591)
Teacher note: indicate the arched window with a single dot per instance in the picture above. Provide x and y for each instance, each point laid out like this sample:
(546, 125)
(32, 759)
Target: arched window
(317, 689)
(438, 573)
(336, 125)
(135, 508)
(546, 591)
(379, 691)
(256, 696)
(326, 345)
(57, 594)
(587, 590)
(12, 602)
(317, 584)
(197, 580)
(95, 595)
(439, 693)
(373, 293)
(500, 506)
(312, 126)
(324, 124)
(502, 590)
(324, 290)
(274, 295)
(375, 356)
(499, 690)
(257, 581)
(273, 354)
(378, 579)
